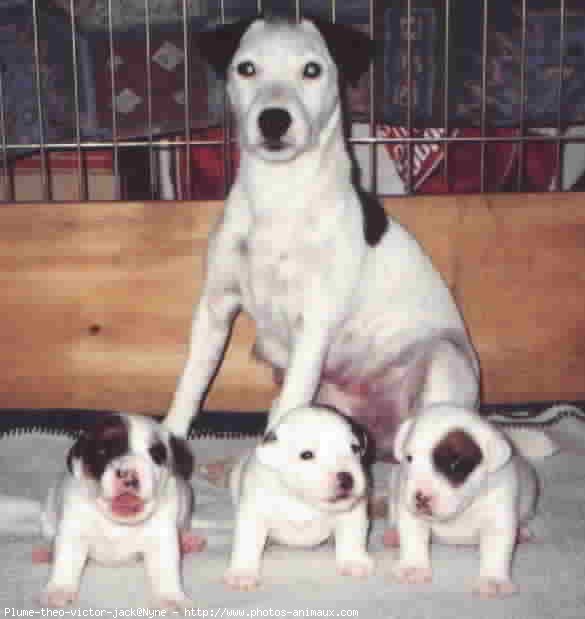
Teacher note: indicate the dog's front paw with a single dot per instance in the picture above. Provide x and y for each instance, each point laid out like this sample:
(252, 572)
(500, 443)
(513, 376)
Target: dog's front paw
(412, 574)
(358, 568)
(241, 579)
(494, 588)
(57, 597)
(173, 601)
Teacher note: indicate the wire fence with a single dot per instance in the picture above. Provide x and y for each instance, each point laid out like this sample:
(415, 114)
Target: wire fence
(470, 96)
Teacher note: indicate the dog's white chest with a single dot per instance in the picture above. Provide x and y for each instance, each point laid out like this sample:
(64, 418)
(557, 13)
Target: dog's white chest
(111, 545)
(300, 532)
(279, 264)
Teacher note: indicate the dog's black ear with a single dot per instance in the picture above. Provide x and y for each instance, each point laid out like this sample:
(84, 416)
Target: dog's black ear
(219, 46)
(183, 460)
(352, 50)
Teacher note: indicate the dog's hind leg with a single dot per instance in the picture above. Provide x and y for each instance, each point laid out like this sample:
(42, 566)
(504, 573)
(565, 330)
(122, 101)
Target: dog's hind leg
(452, 376)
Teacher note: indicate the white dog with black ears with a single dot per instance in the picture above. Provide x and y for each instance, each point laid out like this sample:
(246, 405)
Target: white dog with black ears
(461, 481)
(305, 483)
(124, 496)
(349, 310)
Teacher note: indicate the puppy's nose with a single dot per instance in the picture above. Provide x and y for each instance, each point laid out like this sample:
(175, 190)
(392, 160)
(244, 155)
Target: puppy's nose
(345, 481)
(129, 478)
(274, 123)
(423, 502)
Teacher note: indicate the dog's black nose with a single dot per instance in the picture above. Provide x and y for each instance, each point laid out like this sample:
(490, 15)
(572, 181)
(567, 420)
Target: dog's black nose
(274, 123)
(345, 481)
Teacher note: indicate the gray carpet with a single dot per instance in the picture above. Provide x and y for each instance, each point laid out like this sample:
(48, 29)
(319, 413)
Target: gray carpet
(550, 571)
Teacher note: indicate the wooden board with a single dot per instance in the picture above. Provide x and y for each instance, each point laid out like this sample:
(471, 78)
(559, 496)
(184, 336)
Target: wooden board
(97, 298)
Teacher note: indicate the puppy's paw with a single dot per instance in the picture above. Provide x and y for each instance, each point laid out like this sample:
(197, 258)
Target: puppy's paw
(412, 575)
(241, 579)
(191, 542)
(42, 554)
(173, 601)
(494, 588)
(391, 538)
(57, 597)
(358, 568)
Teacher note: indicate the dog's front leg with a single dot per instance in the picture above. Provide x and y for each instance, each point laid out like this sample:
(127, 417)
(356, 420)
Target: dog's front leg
(249, 540)
(313, 335)
(351, 532)
(329, 296)
(162, 561)
(414, 566)
(69, 558)
(209, 333)
(496, 548)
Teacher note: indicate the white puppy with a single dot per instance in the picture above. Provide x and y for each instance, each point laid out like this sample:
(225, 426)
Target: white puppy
(302, 485)
(125, 495)
(460, 481)
(347, 306)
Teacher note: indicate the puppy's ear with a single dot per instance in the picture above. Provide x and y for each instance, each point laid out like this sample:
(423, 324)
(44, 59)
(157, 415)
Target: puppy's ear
(219, 46)
(497, 451)
(352, 50)
(269, 450)
(183, 460)
(401, 437)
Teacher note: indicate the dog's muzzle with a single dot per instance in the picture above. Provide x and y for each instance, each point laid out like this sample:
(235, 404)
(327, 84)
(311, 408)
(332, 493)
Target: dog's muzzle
(344, 486)
(274, 122)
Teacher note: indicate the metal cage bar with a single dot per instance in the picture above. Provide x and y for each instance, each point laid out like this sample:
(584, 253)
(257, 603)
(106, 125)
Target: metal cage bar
(152, 143)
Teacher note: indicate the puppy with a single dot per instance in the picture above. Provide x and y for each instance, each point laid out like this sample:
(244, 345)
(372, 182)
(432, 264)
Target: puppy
(302, 485)
(349, 310)
(460, 481)
(124, 495)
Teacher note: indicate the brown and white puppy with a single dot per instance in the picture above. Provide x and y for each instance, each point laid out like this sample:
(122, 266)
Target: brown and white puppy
(460, 481)
(124, 495)
(304, 484)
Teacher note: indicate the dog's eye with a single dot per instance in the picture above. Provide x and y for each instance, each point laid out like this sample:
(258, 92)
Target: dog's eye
(409, 458)
(356, 449)
(312, 70)
(246, 69)
(307, 454)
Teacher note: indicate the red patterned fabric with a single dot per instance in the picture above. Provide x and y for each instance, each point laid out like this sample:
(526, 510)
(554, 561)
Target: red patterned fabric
(206, 180)
(167, 74)
(464, 162)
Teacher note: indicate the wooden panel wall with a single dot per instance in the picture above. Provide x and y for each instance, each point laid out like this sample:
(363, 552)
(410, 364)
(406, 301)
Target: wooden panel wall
(97, 298)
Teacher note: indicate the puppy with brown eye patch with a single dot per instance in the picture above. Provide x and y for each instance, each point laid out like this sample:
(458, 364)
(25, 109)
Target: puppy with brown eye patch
(125, 495)
(459, 481)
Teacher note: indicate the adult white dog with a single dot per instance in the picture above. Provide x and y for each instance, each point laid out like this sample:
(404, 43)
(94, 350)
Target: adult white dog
(461, 482)
(125, 495)
(302, 485)
(349, 310)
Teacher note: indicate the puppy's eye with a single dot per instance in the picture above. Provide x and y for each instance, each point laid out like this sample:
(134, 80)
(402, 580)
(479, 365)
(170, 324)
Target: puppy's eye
(246, 69)
(312, 70)
(409, 458)
(307, 454)
(355, 448)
